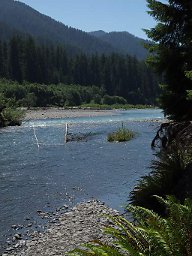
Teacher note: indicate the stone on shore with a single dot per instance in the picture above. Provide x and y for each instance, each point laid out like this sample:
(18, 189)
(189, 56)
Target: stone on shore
(82, 224)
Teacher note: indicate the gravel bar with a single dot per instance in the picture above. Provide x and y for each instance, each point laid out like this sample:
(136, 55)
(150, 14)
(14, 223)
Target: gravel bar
(82, 224)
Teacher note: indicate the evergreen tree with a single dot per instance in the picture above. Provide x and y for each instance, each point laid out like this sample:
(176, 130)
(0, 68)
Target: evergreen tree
(31, 62)
(171, 54)
(5, 72)
(15, 68)
(1, 59)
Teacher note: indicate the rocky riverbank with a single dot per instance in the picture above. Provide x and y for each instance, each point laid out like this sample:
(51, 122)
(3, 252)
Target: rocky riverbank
(82, 224)
(46, 113)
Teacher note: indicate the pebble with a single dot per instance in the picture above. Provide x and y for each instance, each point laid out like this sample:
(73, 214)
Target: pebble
(17, 236)
(9, 249)
(83, 224)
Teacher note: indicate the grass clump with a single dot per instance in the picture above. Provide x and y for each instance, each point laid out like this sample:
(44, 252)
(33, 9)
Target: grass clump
(121, 135)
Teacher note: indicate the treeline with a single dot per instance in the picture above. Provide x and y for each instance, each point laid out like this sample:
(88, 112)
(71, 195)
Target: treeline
(21, 59)
(13, 94)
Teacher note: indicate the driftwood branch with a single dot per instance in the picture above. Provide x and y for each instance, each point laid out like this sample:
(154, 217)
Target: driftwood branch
(179, 131)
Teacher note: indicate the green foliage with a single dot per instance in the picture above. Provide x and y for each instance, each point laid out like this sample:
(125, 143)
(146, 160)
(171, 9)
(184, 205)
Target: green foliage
(151, 235)
(115, 106)
(23, 59)
(189, 74)
(171, 54)
(189, 92)
(121, 135)
(9, 115)
(12, 116)
(168, 177)
(111, 100)
(37, 95)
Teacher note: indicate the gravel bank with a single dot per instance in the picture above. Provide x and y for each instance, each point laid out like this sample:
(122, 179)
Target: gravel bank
(82, 224)
(64, 113)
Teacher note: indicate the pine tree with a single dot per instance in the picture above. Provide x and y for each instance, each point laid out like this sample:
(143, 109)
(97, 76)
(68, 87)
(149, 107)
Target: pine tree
(171, 54)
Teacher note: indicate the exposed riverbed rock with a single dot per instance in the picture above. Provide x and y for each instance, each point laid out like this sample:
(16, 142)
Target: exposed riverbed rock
(82, 224)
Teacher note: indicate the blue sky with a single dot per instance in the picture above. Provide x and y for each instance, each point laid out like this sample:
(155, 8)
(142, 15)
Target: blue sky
(91, 15)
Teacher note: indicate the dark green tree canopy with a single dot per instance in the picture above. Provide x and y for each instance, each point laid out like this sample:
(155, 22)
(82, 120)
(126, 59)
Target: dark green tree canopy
(171, 54)
(23, 59)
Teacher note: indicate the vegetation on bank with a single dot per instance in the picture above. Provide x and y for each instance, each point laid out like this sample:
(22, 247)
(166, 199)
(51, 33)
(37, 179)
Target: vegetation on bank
(10, 116)
(121, 135)
(171, 174)
(115, 106)
(14, 96)
(61, 95)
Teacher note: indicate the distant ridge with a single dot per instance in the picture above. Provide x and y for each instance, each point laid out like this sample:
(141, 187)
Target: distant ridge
(24, 19)
(98, 33)
(124, 42)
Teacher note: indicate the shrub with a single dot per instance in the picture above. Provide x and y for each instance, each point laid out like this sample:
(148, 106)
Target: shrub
(170, 175)
(122, 134)
(12, 116)
(110, 100)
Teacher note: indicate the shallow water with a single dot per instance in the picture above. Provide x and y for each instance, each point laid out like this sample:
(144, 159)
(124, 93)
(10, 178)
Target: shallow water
(38, 171)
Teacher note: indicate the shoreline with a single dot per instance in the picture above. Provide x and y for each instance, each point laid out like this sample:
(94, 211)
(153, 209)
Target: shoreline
(58, 113)
(81, 224)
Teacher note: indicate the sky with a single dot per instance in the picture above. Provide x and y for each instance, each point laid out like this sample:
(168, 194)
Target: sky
(92, 15)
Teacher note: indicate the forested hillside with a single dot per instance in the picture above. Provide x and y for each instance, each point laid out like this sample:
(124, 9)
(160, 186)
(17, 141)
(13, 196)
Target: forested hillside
(37, 49)
(20, 17)
(21, 59)
(124, 43)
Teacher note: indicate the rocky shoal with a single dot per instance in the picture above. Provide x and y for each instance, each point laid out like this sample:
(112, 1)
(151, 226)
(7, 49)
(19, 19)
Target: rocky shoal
(82, 224)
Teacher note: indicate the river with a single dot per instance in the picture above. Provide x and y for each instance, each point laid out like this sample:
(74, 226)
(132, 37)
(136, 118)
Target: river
(38, 171)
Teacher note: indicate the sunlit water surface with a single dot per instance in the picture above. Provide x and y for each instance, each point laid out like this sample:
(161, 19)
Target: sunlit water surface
(38, 171)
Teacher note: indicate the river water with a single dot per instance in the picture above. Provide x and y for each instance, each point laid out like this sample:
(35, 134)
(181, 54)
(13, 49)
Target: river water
(38, 171)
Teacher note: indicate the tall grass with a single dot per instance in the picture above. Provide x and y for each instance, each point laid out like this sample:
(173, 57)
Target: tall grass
(121, 135)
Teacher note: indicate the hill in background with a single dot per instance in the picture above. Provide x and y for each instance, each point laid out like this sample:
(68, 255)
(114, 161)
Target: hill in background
(123, 42)
(19, 18)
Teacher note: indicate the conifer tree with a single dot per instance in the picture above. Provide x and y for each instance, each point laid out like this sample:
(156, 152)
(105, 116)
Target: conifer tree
(15, 68)
(171, 54)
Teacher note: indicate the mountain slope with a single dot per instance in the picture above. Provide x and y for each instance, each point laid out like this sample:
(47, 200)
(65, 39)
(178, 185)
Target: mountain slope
(124, 42)
(20, 17)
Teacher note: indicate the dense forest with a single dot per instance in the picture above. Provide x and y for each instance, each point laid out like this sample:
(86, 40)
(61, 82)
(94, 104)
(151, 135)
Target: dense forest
(22, 59)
